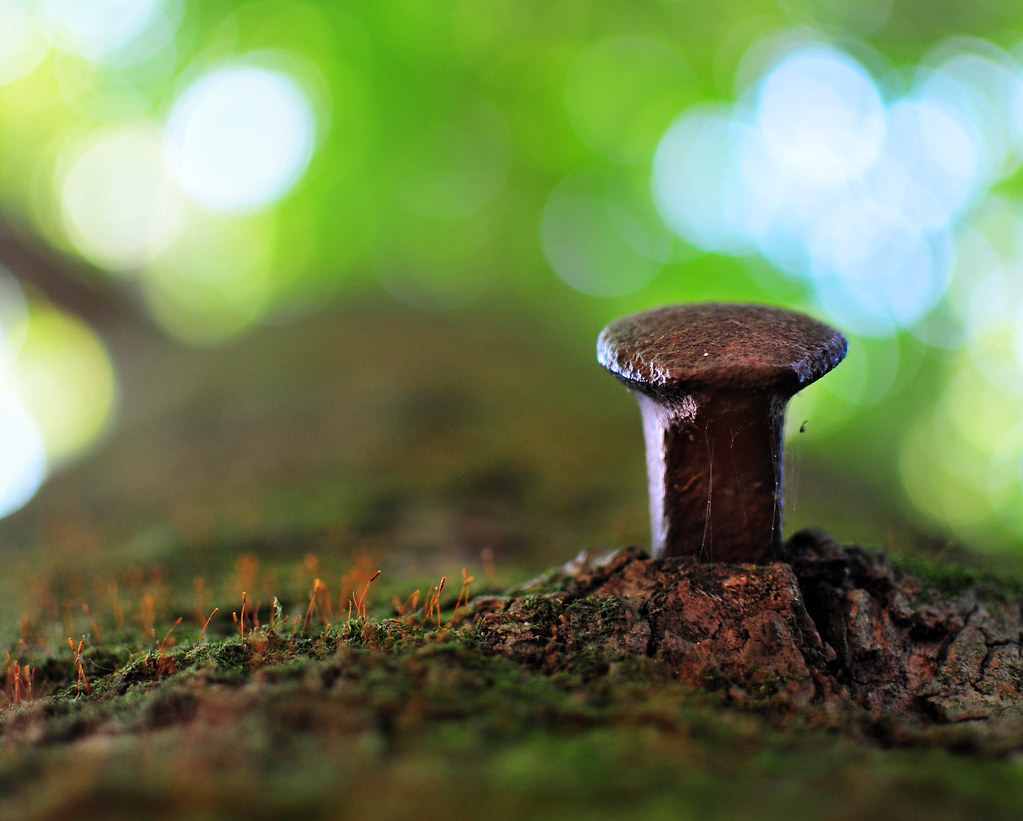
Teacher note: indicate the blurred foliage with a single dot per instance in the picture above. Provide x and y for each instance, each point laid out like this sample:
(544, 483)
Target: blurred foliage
(454, 147)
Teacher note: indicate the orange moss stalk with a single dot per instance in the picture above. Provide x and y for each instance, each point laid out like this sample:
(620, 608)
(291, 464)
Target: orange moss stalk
(165, 665)
(18, 682)
(430, 603)
(433, 610)
(81, 680)
(314, 596)
(465, 592)
(206, 624)
(355, 579)
(276, 614)
(168, 641)
(241, 620)
(360, 602)
(409, 606)
(320, 604)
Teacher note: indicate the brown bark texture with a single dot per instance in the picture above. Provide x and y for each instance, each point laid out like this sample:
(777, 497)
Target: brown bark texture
(830, 633)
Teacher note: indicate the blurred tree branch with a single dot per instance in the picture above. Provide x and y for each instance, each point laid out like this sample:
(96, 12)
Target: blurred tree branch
(68, 283)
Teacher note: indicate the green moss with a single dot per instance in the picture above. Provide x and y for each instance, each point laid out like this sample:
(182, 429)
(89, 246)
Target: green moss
(951, 577)
(442, 725)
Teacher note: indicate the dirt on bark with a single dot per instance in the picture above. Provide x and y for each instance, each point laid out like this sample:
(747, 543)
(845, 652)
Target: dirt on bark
(832, 633)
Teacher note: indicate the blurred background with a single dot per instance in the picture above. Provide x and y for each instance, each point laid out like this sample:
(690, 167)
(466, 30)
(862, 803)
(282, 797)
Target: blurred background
(207, 209)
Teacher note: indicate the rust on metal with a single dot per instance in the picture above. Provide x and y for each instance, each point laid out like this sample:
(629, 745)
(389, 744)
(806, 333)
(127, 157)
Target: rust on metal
(712, 382)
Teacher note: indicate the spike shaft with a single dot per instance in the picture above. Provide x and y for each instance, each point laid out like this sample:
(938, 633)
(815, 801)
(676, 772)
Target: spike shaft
(715, 468)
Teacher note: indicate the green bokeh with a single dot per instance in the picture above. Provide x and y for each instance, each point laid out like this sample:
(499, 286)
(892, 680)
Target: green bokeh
(442, 131)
